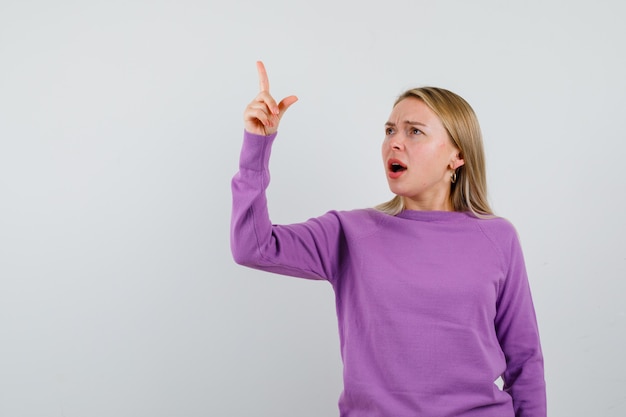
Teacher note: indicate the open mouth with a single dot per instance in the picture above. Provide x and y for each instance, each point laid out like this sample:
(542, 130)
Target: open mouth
(396, 166)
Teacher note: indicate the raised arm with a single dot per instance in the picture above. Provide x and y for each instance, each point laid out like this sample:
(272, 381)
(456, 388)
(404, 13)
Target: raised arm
(306, 250)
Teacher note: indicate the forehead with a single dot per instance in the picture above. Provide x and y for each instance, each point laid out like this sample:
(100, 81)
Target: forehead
(415, 110)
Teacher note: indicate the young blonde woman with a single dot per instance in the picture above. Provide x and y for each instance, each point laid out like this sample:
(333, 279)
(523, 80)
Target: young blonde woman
(433, 301)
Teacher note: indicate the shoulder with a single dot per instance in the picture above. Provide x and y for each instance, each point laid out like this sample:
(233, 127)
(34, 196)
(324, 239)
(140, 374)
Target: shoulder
(367, 215)
(360, 221)
(502, 234)
(497, 226)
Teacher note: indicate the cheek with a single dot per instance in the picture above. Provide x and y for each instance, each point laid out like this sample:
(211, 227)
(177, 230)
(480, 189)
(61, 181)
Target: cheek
(447, 148)
(439, 153)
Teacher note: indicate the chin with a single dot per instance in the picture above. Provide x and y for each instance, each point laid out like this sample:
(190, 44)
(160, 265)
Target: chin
(398, 191)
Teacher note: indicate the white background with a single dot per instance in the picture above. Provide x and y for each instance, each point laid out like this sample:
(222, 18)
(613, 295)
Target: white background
(120, 128)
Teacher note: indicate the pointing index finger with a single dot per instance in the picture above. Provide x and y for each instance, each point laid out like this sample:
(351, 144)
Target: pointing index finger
(264, 82)
(264, 86)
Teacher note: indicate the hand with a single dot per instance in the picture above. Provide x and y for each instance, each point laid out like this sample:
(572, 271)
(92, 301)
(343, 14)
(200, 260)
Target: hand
(263, 115)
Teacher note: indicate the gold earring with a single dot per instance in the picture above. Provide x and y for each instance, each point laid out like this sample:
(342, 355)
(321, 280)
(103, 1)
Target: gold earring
(453, 177)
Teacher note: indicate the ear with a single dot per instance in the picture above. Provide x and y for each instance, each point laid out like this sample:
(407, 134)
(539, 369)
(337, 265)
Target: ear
(456, 161)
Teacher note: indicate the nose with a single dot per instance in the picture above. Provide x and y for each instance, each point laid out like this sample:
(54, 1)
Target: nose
(397, 143)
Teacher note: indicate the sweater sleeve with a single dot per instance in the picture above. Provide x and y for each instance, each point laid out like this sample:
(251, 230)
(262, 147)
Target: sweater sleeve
(518, 334)
(306, 250)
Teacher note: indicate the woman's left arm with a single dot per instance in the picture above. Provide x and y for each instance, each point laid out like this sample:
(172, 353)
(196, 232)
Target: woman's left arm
(518, 334)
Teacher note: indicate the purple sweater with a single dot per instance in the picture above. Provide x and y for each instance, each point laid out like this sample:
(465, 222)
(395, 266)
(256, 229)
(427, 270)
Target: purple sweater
(432, 306)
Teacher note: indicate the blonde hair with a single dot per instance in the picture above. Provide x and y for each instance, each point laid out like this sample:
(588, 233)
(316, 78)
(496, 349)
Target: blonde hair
(469, 191)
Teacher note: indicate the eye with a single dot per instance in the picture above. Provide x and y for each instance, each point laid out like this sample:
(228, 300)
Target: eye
(415, 131)
(388, 131)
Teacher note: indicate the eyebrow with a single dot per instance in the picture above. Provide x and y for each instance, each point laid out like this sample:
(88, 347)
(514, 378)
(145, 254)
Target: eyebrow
(406, 122)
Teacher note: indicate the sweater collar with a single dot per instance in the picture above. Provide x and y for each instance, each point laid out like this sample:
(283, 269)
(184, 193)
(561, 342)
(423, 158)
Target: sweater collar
(433, 216)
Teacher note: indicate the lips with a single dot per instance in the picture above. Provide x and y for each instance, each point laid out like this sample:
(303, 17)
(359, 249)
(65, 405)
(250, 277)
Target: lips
(395, 168)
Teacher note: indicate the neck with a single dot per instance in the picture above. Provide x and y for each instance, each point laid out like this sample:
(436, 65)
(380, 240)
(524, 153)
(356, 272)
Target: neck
(439, 204)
